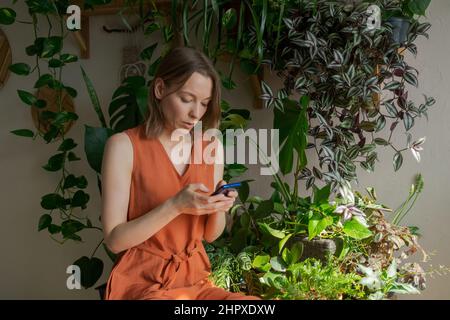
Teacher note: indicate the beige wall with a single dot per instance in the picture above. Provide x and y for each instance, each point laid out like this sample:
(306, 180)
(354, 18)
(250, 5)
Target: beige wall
(33, 266)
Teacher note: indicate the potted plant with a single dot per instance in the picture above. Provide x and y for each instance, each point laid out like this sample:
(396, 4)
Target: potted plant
(401, 16)
(332, 70)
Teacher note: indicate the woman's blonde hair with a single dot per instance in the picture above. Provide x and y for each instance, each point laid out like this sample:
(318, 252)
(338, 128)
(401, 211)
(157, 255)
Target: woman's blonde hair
(175, 69)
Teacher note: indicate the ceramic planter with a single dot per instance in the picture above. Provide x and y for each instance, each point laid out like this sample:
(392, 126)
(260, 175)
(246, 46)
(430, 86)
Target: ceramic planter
(400, 29)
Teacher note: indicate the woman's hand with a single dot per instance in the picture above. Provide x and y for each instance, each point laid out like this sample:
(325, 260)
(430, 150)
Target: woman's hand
(229, 197)
(190, 201)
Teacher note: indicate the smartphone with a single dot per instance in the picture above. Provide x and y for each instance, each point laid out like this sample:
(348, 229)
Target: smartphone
(226, 187)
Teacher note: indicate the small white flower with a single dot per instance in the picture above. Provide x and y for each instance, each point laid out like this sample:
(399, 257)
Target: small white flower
(416, 147)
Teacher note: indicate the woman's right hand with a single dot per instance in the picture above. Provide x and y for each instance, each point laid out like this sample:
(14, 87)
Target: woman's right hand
(190, 201)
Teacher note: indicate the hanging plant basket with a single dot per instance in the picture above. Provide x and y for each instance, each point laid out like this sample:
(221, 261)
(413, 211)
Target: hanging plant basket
(40, 115)
(5, 58)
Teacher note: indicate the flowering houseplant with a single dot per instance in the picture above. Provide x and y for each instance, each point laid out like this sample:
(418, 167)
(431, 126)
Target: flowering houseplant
(370, 260)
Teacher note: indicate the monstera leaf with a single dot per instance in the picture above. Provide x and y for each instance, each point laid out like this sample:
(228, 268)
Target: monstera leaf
(129, 105)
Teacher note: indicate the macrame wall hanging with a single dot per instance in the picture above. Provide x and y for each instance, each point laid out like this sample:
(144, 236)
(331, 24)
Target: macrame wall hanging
(132, 64)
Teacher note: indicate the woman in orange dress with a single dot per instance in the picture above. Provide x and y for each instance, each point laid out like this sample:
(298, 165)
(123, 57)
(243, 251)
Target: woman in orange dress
(156, 209)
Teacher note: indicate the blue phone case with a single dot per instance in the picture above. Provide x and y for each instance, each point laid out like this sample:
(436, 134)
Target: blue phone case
(225, 187)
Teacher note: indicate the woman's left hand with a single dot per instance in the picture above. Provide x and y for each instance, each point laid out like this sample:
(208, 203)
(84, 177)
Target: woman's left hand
(227, 199)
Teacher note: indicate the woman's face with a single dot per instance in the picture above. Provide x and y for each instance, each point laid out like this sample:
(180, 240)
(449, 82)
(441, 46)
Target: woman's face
(186, 106)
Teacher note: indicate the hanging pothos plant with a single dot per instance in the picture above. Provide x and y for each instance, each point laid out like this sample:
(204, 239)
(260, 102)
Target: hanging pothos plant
(65, 207)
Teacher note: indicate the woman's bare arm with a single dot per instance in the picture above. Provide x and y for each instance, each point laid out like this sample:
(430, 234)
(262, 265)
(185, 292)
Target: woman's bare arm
(120, 235)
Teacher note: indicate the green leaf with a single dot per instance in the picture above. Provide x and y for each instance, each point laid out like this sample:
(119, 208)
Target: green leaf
(23, 133)
(43, 80)
(63, 117)
(398, 160)
(381, 142)
(94, 98)
(356, 230)
(71, 91)
(262, 262)
(147, 53)
(68, 58)
(419, 6)
(52, 201)
(51, 46)
(55, 63)
(317, 224)
(322, 195)
(82, 182)
(411, 78)
(52, 133)
(278, 264)
(80, 199)
(235, 169)
(91, 270)
(229, 19)
(368, 126)
(72, 157)
(268, 230)
(152, 27)
(70, 227)
(40, 104)
(296, 252)
(67, 144)
(27, 97)
(55, 163)
(392, 85)
(70, 181)
(7, 16)
(44, 222)
(21, 69)
(244, 191)
(283, 242)
(381, 123)
(408, 121)
(53, 228)
(264, 209)
(404, 288)
(293, 128)
(94, 145)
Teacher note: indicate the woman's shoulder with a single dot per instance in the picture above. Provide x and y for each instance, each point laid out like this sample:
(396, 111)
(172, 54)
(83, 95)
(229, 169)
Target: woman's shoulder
(119, 145)
(125, 139)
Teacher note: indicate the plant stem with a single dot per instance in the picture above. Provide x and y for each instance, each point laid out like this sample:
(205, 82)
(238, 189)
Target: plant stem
(96, 248)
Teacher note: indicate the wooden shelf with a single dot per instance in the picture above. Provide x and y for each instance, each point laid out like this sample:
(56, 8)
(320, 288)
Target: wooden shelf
(82, 36)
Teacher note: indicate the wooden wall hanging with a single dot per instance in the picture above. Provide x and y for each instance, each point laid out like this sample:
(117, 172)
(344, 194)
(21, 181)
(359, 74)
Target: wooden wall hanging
(51, 98)
(82, 36)
(5, 58)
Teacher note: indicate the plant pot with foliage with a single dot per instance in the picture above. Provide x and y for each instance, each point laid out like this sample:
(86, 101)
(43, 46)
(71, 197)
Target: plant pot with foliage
(400, 16)
(327, 61)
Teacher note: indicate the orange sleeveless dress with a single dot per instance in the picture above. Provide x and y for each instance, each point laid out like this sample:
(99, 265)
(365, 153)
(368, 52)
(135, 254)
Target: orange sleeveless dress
(172, 264)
